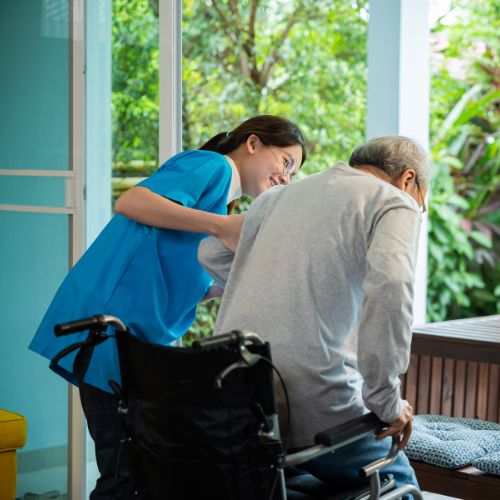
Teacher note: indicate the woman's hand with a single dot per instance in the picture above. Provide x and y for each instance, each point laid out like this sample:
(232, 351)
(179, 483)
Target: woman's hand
(230, 231)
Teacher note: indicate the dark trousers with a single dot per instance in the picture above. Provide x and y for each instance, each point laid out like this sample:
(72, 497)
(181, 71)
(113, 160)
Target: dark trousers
(105, 427)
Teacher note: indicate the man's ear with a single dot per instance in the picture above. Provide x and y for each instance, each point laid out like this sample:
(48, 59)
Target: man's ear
(407, 179)
(251, 143)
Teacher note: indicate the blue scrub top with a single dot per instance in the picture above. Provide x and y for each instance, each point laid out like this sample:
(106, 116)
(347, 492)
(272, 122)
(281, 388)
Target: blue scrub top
(150, 278)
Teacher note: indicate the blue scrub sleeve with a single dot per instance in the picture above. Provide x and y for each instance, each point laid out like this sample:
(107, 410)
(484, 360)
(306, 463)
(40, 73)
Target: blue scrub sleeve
(194, 179)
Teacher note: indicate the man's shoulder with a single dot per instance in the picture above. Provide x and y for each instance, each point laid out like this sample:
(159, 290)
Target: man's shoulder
(380, 193)
(263, 199)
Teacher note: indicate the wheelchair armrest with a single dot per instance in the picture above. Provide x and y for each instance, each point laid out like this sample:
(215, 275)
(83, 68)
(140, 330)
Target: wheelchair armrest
(356, 429)
(349, 431)
(337, 437)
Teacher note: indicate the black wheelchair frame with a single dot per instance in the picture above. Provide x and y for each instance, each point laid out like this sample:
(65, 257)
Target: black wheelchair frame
(201, 421)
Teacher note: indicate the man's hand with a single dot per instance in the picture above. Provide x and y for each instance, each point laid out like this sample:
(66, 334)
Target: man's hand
(402, 426)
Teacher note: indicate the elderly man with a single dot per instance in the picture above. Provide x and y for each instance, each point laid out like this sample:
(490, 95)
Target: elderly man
(324, 271)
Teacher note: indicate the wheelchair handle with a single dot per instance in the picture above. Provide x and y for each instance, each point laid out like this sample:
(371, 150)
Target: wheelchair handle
(98, 322)
(226, 339)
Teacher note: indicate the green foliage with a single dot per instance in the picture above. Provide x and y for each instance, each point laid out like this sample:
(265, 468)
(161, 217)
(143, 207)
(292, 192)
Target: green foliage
(464, 220)
(135, 81)
(205, 322)
(305, 60)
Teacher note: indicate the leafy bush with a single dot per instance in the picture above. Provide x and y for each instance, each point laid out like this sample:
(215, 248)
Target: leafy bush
(464, 217)
(135, 81)
(463, 214)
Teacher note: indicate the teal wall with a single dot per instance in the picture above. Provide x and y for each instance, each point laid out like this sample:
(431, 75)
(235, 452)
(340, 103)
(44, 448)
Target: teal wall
(33, 260)
(34, 94)
(34, 134)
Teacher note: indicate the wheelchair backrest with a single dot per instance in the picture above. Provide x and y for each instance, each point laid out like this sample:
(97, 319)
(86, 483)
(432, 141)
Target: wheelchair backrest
(192, 439)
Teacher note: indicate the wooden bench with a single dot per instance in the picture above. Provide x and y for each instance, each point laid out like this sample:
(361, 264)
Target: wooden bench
(455, 371)
(466, 483)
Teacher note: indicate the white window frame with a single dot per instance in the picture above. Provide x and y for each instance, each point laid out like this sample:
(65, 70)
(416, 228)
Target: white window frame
(398, 93)
(170, 45)
(76, 420)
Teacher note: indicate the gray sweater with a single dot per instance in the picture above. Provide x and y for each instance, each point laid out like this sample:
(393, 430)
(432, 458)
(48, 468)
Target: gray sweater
(324, 271)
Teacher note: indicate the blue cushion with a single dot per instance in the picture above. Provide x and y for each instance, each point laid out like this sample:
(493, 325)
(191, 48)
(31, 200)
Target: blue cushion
(489, 463)
(452, 442)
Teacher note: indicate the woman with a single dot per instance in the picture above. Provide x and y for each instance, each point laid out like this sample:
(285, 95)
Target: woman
(143, 267)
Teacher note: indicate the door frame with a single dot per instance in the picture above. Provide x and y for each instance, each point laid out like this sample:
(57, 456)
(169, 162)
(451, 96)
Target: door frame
(77, 65)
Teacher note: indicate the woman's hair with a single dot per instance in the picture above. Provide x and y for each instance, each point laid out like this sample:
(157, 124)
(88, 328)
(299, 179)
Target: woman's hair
(393, 154)
(271, 130)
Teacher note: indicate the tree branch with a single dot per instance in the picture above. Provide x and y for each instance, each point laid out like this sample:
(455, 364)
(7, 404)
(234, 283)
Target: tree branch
(301, 10)
(271, 60)
(251, 20)
(226, 25)
(233, 7)
(245, 53)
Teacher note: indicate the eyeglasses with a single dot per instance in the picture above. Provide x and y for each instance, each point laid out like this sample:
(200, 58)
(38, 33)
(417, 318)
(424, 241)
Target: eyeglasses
(423, 207)
(289, 165)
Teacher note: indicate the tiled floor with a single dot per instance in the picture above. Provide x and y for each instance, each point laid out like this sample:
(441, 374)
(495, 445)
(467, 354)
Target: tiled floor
(435, 496)
(42, 481)
(49, 480)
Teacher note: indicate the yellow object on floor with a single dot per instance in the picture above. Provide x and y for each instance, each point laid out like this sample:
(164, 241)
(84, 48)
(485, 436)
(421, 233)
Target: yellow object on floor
(12, 436)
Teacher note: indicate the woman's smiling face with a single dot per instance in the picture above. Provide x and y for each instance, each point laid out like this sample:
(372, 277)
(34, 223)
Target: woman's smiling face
(265, 166)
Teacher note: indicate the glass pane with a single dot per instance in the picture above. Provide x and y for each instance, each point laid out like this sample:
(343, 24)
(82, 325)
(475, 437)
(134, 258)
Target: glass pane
(34, 134)
(135, 92)
(34, 91)
(305, 61)
(37, 191)
(34, 260)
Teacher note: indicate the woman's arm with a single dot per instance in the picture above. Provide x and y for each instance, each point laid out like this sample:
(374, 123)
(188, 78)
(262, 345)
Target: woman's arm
(144, 206)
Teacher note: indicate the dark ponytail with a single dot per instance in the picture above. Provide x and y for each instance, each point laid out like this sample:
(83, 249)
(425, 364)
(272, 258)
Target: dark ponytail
(214, 144)
(271, 130)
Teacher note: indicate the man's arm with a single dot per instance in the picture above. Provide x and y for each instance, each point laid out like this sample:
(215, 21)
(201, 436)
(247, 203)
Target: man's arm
(384, 336)
(216, 259)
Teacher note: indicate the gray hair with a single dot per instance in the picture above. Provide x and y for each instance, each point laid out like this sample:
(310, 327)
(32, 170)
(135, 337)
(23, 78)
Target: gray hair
(393, 154)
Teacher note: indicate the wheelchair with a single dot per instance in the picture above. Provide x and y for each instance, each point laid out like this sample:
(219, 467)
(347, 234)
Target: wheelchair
(201, 421)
